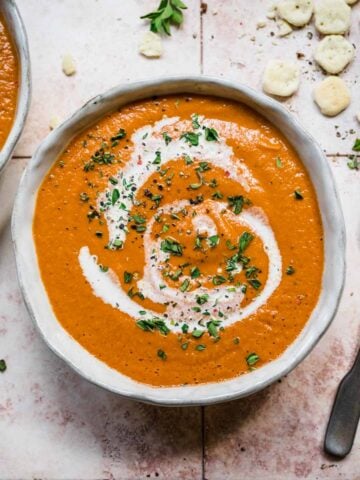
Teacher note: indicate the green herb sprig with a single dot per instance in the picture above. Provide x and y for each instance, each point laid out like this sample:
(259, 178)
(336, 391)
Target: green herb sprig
(169, 13)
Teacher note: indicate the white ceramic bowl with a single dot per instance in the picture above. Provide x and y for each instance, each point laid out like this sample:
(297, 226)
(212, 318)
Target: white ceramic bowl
(96, 371)
(17, 31)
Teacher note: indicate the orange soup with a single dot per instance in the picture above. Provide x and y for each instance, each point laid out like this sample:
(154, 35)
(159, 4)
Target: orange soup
(8, 83)
(180, 240)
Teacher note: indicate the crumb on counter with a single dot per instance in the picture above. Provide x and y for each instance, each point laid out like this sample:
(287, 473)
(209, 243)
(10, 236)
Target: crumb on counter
(68, 65)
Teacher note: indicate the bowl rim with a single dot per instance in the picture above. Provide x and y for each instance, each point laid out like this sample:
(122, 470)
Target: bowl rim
(16, 28)
(82, 361)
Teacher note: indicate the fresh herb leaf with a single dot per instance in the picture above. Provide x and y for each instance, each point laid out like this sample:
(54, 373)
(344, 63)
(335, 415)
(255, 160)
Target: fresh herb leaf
(185, 285)
(167, 138)
(128, 277)
(237, 203)
(169, 12)
(197, 333)
(157, 160)
(192, 138)
(356, 146)
(214, 241)
(120, 135)
(195, 121)
(218, 280)
(236, 341)
(3, 366)
(168, 245)
(298, 195)
(184, 327)
(353, 163)
(244, 241)
(201, 299)
(115, 196)
(103, 268)
(200, 347)
(161, 354)
(252, 359)
(256, 284)
(278, 162)
(211, 135)
(195, 272)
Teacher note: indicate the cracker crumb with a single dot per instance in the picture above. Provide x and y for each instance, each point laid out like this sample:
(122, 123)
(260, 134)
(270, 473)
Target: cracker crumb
(284, 28)
(260, 24)
(151, 45)
(68, 65)
(54, 122)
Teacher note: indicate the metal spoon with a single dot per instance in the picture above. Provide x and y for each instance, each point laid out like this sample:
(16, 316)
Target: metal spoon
(344, 418)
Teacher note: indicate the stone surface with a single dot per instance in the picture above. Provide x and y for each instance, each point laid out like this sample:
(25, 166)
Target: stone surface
(56, 426)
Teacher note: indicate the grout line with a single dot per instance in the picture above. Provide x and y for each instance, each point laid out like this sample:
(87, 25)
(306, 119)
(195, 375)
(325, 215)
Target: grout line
(19, 157)
(201, 39)
(203, 442)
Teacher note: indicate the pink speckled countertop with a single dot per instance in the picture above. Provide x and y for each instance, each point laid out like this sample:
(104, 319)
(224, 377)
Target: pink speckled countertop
(53, 424)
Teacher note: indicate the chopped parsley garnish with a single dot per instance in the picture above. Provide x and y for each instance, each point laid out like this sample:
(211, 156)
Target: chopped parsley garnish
(200, 347)
(3, 366)
(237, 203)
(298, 195)
(195, 121)
(168, 245)
(201, 299)
(157, 160)
(198, 244)
(188, 160)
(290, 270)
(119, 136)
(244, 241)
(192, 138)
(353, 163)
(203, 167)
(255, 283)
(176, 275)
(252, 359)
(184, 327)
(229, 245)
(278, 162)
(185, 345)
(211, 135)
(195, 272)
(217, 195)
(356, 146)
(214, 240)
(117, 243)
(115, 196)
(236, 341)
(150, 325)
(161, 354)
(251, 272)
(128, 277)
(113, 180)
(167, 138)
(197, 333)
(165, 228)
(138, 219)
(169, 12)
(218, 280)
(103, 268)
(185, 285)
(212, 327)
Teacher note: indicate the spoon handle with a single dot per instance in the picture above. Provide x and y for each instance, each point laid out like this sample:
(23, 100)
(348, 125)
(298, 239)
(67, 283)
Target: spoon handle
(345, 414)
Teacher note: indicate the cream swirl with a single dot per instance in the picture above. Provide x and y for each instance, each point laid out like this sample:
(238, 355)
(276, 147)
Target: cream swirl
(147, 142)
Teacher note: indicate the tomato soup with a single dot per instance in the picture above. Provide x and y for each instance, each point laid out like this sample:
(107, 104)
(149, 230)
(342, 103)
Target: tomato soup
(8, 83)
(179, 240)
